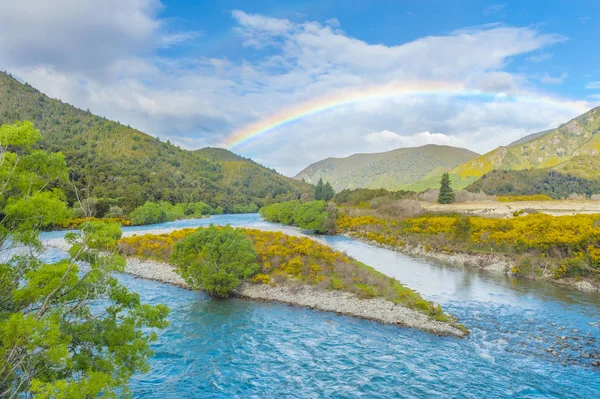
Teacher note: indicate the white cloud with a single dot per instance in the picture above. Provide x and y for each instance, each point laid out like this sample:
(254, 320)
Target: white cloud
(540, 57)
(334, 22)
(593, 85)
(116, 71)
(553, 80)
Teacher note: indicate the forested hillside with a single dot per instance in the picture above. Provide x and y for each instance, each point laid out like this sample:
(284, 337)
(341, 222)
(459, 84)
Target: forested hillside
(391, 170)
(572, 148)
(535, 181)
(109, 160)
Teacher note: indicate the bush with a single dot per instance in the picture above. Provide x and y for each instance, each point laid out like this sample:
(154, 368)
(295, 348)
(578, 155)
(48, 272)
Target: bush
(312, 215)
(114, 212)
(250, 208)
(149, 213)
(216, 260)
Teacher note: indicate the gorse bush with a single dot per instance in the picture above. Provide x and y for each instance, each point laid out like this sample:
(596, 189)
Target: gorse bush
(536, 197)
(215, 259)
(556, 239)
(281, 259)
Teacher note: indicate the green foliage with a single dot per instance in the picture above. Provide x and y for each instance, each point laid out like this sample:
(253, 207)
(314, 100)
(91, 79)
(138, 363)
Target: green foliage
(391, 170)
(312, 215)
(149, 213)
(115, 162)
(446, 195)
(51, 342)
(319, 190)
(282, 260)
(215, 260)
(534, 182)
(324, 192)
(250, 208)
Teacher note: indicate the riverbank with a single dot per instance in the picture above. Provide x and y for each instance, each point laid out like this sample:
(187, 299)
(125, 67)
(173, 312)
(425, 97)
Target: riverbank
(303, 295)
(494, 263)
(294, 292)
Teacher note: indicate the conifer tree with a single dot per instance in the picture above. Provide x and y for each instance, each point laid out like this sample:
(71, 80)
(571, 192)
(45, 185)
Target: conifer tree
(446, 195)
(319, 190)
(328, 193)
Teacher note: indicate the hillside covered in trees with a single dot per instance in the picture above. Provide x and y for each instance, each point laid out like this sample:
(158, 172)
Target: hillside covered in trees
(112, 161)
(535, 181)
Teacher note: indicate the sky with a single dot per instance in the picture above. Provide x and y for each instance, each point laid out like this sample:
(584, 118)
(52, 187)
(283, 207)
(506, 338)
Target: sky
(288, 83)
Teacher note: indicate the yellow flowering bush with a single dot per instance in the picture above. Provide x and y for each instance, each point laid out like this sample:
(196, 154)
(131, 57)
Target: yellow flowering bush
(555, 238)
(512, 198)
(282, 257)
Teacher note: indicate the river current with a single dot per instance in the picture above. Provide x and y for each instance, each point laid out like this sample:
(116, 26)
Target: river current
(528, 339)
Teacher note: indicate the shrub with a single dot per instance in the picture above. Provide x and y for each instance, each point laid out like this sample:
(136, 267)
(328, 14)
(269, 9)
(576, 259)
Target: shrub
(149, 213)
(216, 260)
(312, 215)
(537, 197)
(114, 212)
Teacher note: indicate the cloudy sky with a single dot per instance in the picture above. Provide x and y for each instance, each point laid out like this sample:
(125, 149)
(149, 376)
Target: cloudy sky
(196, 72)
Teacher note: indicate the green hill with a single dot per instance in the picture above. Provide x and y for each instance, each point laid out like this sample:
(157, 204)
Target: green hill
(535, 181)
(109, 160)
(392, 170)
(572, 148)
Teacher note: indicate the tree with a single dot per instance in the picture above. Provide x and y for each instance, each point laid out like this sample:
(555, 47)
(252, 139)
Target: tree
(216, 260)
(327, 193)
(149, 213)
(446, 195)
(67, 330)
(319, 190)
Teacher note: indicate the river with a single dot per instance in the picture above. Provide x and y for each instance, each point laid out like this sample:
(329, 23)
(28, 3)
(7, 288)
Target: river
(239, 348)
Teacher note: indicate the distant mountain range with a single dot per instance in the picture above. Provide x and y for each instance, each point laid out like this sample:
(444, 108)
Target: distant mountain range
(109, 160)
(572, 150)
(392, 170)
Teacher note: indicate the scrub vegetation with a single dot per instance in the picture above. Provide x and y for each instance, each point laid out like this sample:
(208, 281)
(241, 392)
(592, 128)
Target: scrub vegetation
(218, 259)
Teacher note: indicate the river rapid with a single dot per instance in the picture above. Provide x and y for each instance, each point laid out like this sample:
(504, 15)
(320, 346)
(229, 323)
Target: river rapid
(528, 339)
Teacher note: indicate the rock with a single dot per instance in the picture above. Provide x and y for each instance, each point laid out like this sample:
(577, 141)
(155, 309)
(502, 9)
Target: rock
(575, 331)
(596, 363)
(554, 353)
(586, 355)
(563, 337)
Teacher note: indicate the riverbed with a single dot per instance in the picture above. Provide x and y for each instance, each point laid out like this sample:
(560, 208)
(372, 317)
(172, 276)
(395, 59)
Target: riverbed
(528, 339)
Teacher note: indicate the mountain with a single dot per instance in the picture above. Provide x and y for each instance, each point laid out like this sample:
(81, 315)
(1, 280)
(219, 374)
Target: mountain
(572, 148)
(109, 160)
(392, 170)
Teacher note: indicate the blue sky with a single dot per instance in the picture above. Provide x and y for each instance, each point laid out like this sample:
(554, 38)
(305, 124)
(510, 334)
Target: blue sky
(194, 72)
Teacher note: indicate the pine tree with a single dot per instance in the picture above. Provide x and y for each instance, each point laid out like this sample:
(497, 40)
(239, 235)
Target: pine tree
(319, 190)
(328, 193)
(446, 193)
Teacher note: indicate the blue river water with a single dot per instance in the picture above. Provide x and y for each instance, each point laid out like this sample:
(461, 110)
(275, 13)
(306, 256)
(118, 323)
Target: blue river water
(237, 348)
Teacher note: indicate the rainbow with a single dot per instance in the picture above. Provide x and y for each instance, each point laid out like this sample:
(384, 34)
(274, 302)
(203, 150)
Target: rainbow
(353, 96)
